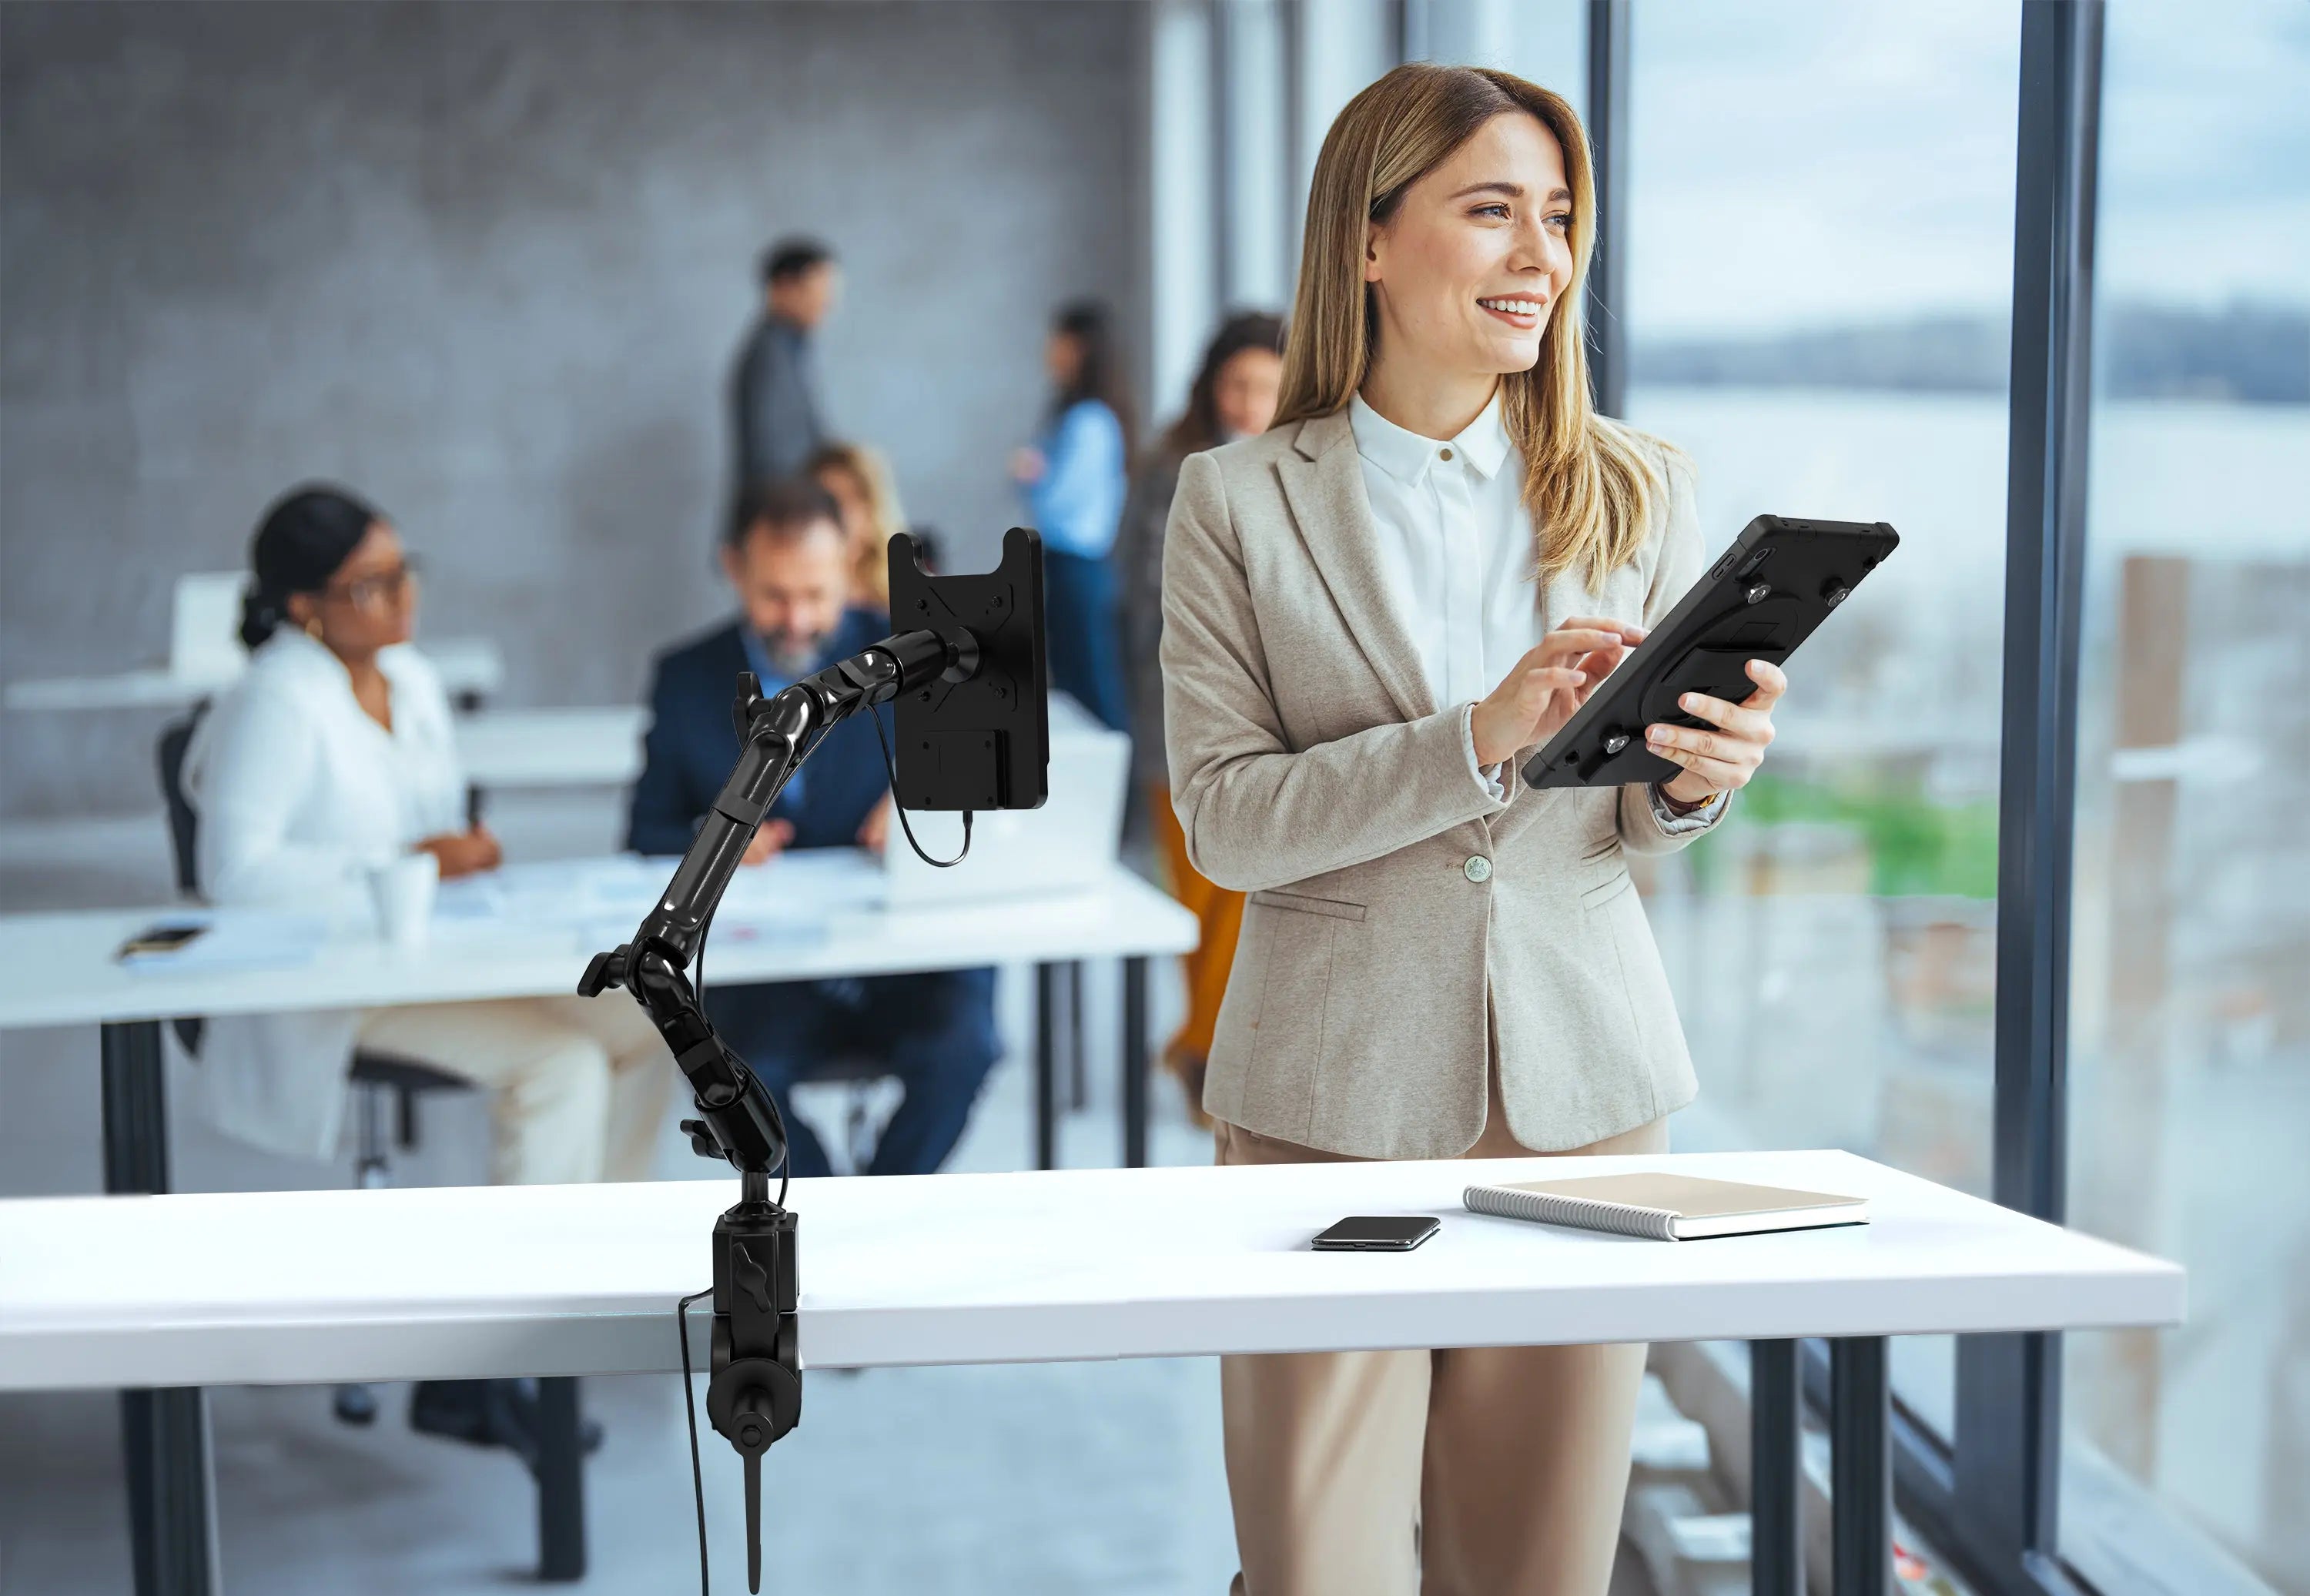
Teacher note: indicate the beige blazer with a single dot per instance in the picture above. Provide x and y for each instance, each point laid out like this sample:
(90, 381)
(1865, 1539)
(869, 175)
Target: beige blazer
(1405, 929)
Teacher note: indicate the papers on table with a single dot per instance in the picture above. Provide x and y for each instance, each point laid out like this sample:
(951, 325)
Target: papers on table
(793, 901)
(790, 899)
(245, 940)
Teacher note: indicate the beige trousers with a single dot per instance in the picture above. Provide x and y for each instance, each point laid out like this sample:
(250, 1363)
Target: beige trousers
(1469, 1471)
(578, 1084)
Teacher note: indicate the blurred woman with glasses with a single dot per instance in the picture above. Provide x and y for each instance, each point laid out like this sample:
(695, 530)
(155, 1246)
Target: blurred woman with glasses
(333, 757)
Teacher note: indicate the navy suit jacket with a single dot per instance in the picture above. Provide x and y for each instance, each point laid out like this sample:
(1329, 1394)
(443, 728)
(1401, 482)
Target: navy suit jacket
(691, 745)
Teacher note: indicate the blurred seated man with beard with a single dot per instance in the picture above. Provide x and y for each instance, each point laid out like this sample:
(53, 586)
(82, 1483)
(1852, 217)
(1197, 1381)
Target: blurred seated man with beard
(789, 565)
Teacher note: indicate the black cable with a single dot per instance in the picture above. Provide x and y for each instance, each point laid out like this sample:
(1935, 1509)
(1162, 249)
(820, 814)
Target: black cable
(689, 1406)
(891, 765)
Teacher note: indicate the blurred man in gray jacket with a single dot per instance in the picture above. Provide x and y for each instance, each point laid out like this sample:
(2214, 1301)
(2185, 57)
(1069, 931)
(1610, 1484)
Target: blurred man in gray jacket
(774, 388)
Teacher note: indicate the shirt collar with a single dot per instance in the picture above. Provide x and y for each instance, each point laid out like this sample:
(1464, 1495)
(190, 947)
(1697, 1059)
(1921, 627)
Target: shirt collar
(1407, 456)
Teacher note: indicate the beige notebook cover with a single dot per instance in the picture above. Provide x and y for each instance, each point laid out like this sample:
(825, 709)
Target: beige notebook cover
(1665, 1207)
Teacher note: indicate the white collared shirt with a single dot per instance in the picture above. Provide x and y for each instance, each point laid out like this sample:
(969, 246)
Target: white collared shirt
(1455, 545)
(1458, 552)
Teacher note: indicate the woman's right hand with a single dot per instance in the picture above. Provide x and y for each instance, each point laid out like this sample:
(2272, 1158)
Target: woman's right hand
(465, 852)
(1548, 684)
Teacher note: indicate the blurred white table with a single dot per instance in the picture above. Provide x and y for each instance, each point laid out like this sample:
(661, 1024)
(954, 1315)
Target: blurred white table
(467, 665)
(481, 1281)
(527, 931)
(553, 748)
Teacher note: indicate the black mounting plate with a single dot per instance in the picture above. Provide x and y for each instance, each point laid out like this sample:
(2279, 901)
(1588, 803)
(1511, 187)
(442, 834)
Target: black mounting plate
(983, 743)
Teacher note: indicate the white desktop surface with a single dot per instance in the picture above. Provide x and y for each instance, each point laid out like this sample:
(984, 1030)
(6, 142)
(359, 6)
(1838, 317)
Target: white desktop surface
(289, 1288)
(465, 665)
(808, 915)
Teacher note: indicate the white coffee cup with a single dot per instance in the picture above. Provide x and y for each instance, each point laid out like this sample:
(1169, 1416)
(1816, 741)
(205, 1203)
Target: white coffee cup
(404, 892)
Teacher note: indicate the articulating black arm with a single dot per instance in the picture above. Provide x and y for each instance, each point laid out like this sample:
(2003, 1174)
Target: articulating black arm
(738, 1120)
(754, 1395)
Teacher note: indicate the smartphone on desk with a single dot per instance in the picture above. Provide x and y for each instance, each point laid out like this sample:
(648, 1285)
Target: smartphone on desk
(1376, 1233)
(156, 940)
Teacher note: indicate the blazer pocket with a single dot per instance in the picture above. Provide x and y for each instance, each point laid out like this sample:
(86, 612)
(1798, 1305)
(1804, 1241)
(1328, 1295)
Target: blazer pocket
(1301, 903)
(1644, 982)
(1298, 936)
(1605, 891)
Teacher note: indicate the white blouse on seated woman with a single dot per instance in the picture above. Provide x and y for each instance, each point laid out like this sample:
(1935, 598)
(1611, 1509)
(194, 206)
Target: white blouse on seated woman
(299, 794)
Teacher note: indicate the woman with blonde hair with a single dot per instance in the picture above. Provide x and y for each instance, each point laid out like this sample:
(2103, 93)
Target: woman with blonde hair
(1372, 614)
(859, 479)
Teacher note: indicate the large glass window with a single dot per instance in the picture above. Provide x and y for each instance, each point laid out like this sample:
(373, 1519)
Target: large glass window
(2190, 1010)
(1821, 258)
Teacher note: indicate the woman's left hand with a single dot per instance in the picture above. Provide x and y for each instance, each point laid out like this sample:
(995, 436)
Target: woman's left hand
(1722, 759)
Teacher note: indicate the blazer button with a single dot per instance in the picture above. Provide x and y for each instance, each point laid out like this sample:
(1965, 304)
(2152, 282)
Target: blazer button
(1478, 868)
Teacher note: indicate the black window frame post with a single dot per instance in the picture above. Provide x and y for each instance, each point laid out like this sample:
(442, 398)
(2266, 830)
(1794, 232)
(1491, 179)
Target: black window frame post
(1995, 1503)
(1605, 312)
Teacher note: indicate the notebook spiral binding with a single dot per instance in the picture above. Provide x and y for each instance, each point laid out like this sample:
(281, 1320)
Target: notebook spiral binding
(1620, 1219)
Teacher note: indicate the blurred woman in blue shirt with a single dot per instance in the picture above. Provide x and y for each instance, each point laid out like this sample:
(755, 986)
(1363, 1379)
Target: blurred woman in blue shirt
(1073, 480)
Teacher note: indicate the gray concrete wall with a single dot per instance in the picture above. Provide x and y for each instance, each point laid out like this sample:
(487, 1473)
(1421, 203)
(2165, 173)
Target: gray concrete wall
(488, 263)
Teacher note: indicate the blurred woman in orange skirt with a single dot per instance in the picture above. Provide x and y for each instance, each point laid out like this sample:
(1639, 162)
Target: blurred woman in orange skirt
(1234, 396)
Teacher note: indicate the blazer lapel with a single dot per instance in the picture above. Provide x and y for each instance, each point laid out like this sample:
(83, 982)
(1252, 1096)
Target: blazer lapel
(1323, 481)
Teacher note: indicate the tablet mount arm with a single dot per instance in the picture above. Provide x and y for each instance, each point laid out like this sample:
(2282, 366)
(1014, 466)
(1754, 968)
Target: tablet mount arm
(979, 722)
(754, 1394)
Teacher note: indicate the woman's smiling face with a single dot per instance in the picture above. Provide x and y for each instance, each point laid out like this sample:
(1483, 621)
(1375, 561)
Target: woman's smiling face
(1467, 271)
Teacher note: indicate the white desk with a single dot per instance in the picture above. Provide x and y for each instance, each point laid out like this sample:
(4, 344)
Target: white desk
(467, 665)
(62, 972)
(553, 748)
(311, 1286)
(822, 922)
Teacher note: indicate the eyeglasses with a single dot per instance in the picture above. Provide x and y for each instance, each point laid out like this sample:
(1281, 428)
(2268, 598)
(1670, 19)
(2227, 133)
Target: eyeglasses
(380, 590)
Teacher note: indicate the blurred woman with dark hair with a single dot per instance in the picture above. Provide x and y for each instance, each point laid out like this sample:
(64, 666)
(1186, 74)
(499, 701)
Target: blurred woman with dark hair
(335, 756)
(1233, 397)
(1073, 480)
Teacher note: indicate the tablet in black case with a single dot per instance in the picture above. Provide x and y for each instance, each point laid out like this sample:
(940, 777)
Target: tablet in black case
(1764, 597)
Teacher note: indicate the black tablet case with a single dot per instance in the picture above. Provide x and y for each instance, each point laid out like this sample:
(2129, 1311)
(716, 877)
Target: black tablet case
(1764, 597)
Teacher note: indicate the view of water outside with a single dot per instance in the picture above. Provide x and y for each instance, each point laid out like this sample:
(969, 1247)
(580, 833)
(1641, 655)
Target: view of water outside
(1820, 252)
(2190, 1008)
(1821, 222)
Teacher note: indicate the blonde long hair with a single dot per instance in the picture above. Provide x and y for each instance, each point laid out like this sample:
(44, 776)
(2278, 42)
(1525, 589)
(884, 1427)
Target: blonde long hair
(1589, 482)
(863, 464)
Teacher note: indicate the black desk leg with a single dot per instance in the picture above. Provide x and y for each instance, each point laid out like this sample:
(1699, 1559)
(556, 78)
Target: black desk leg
(1077, 1056)
(1134, 1063)
(1046, 1085)
(560, 1481)
(1775, 1525)
(164, 1439)
(1860, 1466)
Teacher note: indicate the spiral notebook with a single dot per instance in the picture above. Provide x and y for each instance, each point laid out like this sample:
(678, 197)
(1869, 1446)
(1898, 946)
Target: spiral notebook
(1665, 1207)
